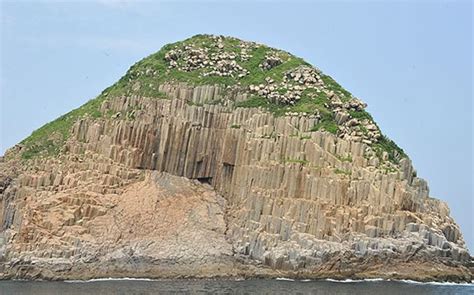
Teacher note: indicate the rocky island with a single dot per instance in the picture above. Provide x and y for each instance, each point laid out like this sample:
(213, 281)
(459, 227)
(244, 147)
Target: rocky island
(218, 157)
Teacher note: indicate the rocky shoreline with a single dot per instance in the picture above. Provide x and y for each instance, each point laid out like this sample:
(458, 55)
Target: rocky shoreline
(423, 271)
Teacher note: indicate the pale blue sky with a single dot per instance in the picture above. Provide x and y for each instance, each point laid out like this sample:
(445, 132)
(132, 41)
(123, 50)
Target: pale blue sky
(410, 61)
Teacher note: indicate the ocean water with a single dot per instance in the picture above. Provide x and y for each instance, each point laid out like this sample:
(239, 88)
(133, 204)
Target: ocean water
(261, 286)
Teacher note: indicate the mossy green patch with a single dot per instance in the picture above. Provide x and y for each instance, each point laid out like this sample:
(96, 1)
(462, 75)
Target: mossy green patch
(384, 144)
(334, 86)
(310, 103)
(326, 123)
(298, 161)
(50, 138)
(253, 102)
(344, 172)
(348, 158)
(361, 115)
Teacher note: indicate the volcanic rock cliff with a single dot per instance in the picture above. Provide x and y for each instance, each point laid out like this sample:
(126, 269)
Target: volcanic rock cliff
(220, 157)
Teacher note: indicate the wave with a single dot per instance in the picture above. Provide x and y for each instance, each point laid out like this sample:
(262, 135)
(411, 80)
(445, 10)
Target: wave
(290, 280)
(384, 280)
(136, 279)
(435, 283)
(239, 279)
(112, 279)
(285, 279)
(355, 281)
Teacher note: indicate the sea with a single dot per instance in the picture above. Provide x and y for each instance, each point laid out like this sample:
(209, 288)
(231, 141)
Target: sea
(253, 286)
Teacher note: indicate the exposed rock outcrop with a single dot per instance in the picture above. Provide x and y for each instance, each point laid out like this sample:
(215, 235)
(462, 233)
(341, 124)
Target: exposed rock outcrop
(183, 186)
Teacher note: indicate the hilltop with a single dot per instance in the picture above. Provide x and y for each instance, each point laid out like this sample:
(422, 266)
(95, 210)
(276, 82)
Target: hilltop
(274, 79)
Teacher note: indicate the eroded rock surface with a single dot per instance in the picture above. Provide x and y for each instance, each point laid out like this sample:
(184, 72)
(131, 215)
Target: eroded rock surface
(114, 220)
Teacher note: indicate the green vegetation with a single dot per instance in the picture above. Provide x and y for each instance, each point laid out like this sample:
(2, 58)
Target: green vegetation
(334, 86)
(298, 161)
(192, 103)
(311, 102)
(235, 126)
(153, 70)
(384, 144)
(161, 95)
(389, 170)
(254, 102)
(267, 136)
(340, 171)
(217, 101)
(257, 75)
(345, 159)
(363, 129)
(144, 77)
(361, 115)
(326, 123)
(50, 138)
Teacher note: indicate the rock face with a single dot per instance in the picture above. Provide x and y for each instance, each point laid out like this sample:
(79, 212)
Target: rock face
(182, 186)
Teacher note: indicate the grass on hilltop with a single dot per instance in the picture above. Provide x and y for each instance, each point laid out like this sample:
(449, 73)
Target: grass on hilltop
(51, 137)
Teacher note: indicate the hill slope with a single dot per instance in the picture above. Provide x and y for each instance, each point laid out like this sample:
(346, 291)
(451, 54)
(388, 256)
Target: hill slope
(221, 157)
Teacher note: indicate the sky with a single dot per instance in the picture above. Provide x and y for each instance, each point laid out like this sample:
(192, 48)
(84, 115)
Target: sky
(411, 61)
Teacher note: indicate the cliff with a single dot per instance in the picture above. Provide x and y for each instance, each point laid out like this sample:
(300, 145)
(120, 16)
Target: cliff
(220, 157)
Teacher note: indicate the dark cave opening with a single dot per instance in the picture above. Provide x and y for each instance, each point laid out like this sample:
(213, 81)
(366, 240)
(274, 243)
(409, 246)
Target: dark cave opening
(205, 180)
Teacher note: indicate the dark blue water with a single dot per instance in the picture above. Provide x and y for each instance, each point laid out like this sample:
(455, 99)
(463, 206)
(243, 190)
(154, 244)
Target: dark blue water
(230, 287)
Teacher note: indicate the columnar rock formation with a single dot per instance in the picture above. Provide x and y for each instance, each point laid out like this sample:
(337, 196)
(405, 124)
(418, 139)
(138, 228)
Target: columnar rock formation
(183, 186)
